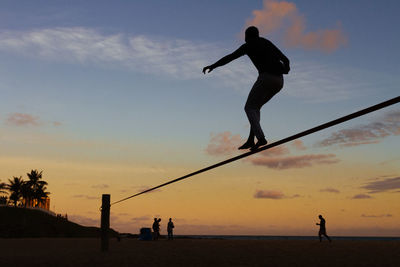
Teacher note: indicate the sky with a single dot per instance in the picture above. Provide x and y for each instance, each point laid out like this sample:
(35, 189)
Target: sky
(110, 98)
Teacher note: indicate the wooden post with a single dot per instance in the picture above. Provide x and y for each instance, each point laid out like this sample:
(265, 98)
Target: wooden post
(105, 221)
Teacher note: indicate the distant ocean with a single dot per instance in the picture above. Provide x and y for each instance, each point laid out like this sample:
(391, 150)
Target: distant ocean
(254, 237)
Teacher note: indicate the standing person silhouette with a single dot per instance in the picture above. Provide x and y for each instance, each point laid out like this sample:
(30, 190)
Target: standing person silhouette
(271, 63)
(156, 228)
(322, 229)
(170, 228)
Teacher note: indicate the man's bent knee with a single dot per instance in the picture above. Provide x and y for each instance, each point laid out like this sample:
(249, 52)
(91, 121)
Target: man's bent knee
(250, 108)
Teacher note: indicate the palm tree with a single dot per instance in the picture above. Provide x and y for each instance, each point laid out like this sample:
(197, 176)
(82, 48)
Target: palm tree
(26, 193)
(35, 187)
(3, 199)
(15, 187)
(40, 194)
(34, 178)
(3, 186)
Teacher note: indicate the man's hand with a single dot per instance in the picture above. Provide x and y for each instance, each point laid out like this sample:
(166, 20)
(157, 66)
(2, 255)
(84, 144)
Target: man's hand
(286, 69)
(209, 68)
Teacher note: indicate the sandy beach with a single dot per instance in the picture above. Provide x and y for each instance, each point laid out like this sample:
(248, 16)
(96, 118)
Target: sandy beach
(196, 252)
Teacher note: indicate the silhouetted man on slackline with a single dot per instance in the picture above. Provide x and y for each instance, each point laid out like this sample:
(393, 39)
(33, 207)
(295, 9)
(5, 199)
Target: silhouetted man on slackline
(322, 229)
(271, 63)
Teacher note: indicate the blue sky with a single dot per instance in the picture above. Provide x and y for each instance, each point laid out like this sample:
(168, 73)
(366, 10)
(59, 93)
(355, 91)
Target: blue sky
(85, 92)
(121, 82)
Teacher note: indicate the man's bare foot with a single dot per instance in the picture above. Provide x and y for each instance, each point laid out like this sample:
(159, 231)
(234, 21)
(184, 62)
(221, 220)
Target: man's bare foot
(247, 145)
(259, 143)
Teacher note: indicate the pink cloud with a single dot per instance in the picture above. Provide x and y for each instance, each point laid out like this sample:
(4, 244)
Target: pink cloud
(385, 185)
(294, 161)
(370, 133)
(141, 219)
(272, 194)
(223, 144)
(282, 15)
(330, 190)
(22, 119)
(376, 216)
(298, 144)
(361, 196)
(146, 187)
(100, 186)
(276, 158)
(276, 151)
(269, 194)
(86, 197)
(83, 220)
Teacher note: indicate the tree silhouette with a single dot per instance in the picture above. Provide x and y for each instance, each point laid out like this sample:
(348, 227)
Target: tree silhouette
(32, 191)
(3, 186)
(35, 188)
(3, 199)
(40, 194)
(15, 187)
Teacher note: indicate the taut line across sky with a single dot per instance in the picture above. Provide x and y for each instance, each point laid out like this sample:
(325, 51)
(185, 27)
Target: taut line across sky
(277, 143)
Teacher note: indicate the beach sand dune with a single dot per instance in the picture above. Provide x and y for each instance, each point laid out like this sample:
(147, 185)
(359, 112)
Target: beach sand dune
(197, 252)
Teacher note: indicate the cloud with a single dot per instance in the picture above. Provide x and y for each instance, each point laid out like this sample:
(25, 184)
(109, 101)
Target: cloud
(298, 144)
(225, 143)
(176, 58)
(141, 219)
(376, 216)
(370, 133)
(86, 197)
(294, 161)
(22, 119)
(284, 16)
(56, 123)
(142, 188)
(83, 220)
(268, 194)
(276, 151)
(100, 186)
(329, 190)
(180, 60)
(361, 196)
(384, 185)
(272, 194)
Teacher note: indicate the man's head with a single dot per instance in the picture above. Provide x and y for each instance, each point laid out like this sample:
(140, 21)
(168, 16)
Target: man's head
(251, 33)
(320, 216)
(170, 219)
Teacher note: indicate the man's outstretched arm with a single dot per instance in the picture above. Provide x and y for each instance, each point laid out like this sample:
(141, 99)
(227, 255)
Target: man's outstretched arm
(225, 60)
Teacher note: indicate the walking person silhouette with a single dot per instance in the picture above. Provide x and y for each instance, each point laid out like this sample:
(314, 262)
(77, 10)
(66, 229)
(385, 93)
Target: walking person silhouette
(322, 229)
(271, 63)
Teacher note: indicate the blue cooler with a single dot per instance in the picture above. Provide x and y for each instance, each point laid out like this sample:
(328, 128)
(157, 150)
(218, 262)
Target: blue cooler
(145, 234)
